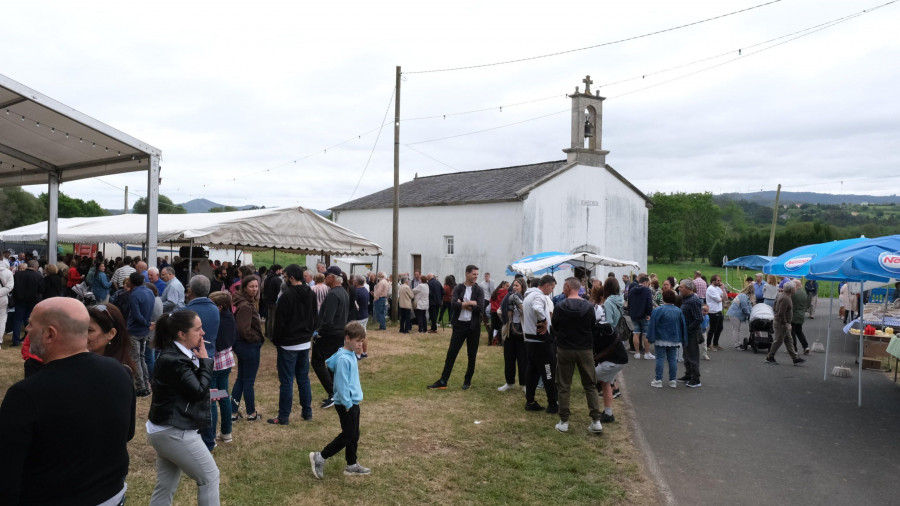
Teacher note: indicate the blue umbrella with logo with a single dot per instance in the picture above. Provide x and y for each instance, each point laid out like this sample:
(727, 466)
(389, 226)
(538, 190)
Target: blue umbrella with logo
(795, 263)
(874, 260)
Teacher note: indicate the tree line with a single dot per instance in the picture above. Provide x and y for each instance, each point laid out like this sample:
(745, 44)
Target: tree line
(703, 227)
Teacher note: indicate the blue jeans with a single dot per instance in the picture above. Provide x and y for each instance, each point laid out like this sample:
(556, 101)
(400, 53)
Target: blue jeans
(666, 354)
(381, 312)
(248, 366)
(22, 314)
(150, 360)
(220, 382)
(293, 365)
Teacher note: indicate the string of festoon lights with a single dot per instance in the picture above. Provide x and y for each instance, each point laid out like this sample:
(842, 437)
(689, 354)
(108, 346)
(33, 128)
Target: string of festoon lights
(56, 135)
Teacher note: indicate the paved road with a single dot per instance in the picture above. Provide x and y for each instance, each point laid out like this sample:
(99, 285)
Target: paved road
(761, 434)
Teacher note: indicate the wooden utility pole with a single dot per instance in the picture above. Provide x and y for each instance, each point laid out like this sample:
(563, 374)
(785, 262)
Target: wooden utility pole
(395, 254)
(774, 221)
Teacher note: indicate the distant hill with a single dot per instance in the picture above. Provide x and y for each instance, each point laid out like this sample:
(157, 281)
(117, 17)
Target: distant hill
(768, 198)
(204, 205)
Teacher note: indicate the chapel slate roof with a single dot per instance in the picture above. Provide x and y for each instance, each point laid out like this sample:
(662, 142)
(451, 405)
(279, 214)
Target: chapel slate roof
(503, 184)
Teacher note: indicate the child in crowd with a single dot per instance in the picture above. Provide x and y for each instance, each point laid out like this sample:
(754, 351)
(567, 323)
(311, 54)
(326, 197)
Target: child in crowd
(347, 396)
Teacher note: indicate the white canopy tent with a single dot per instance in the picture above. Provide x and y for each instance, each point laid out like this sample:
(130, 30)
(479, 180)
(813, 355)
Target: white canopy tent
(536, 264)
(286, 229)
(43, 141)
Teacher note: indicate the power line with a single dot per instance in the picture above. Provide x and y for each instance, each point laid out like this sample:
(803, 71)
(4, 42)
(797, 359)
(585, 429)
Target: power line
(619, 41)
(488, 129)
(429, 157)
(802, 33)
(383, 122)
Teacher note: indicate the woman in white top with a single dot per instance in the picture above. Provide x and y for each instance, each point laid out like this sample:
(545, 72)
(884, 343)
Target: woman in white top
(420, 303)
(770, 290)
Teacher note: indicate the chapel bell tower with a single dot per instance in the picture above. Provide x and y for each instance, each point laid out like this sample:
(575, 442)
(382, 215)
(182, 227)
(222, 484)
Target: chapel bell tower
(587, 127)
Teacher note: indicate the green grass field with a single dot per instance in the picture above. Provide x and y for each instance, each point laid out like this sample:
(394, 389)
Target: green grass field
(734, 279)
(438, 447)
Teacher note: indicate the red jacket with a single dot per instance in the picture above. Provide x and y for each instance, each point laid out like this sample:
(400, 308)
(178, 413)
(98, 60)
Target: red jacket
(26, 350)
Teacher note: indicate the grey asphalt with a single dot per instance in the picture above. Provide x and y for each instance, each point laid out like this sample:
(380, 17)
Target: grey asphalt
(761, 434)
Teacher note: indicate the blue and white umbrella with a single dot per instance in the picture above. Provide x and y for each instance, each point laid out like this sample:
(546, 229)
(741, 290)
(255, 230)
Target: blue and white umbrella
(795, 263)
(875, 261)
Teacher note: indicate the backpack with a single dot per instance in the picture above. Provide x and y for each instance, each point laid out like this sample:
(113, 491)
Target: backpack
(608, 342)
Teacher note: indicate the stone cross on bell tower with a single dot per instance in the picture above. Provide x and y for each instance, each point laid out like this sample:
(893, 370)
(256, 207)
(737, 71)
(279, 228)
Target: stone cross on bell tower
(587, 127)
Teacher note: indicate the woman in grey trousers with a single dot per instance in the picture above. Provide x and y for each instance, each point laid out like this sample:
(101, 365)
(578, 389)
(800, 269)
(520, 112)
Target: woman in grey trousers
(180, 408)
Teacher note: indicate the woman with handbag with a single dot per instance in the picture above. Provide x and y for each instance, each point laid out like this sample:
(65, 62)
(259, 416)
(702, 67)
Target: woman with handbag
(513, 337)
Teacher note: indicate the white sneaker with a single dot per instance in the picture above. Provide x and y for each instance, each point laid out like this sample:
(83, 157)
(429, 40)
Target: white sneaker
(562, 426)
(656, 383)
(505, 387)
(673, 384)
(637, 356)
(596, 427)
(225, 438)
(705, 357)
(649, 356)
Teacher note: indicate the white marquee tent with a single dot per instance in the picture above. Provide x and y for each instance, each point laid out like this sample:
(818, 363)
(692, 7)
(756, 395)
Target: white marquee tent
(288, 229)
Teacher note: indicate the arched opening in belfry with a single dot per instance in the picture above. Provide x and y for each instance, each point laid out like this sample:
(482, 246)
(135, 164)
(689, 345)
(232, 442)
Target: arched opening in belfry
(590, 127)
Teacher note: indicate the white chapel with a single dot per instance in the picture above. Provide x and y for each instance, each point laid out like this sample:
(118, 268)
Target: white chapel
(572, 205)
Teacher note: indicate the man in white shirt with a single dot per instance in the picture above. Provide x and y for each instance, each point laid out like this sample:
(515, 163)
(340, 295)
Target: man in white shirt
(467, 301)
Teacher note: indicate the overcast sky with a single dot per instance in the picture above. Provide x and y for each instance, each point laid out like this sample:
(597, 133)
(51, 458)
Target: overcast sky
(243, 98)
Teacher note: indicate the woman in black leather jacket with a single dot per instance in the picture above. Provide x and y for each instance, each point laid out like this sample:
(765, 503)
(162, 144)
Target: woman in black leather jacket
(180, 408)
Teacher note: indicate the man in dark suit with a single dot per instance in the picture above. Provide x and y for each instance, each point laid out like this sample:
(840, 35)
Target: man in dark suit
(435, 299)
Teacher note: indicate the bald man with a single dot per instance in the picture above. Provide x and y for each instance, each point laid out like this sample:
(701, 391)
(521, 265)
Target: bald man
(68, 425)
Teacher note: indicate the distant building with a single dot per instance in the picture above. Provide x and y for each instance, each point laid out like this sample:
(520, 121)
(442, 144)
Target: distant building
(496, 216)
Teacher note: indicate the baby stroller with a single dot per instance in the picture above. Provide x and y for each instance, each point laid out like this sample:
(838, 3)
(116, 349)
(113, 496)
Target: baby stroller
(84, 294)
(762, 326)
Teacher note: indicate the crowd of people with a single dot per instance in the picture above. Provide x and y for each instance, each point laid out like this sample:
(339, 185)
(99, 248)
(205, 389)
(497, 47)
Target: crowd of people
(175, 333)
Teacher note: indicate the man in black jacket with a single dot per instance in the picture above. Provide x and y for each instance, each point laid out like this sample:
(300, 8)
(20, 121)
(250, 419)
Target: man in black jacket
(27, 291)
(573, 323)
(468, 305)
(295, 320)
(64, 432)
(271, 288)
(435, 299)
(332, 319)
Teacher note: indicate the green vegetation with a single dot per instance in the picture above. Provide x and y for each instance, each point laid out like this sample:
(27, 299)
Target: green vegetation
(700, 226)
(21, 208)
(166, 206)
(223, 209)
(283, 259)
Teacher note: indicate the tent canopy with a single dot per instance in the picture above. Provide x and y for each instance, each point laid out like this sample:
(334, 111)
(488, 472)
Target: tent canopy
(288, 229)
(40, 136)
(550, 261)
(755, 262)
(867, 260)
(795, 263)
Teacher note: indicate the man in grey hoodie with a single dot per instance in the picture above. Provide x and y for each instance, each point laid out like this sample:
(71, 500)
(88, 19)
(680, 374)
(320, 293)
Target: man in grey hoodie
(540, 351)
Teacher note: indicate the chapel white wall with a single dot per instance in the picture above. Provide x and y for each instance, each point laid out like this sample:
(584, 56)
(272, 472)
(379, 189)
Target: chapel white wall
(555, 218)
(487, 235)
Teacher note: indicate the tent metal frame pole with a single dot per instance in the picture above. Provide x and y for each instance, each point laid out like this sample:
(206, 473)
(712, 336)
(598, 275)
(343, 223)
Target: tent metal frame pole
(190, 269)
(52, 216)
(152, 207)
(860, 358)
(828, 335)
